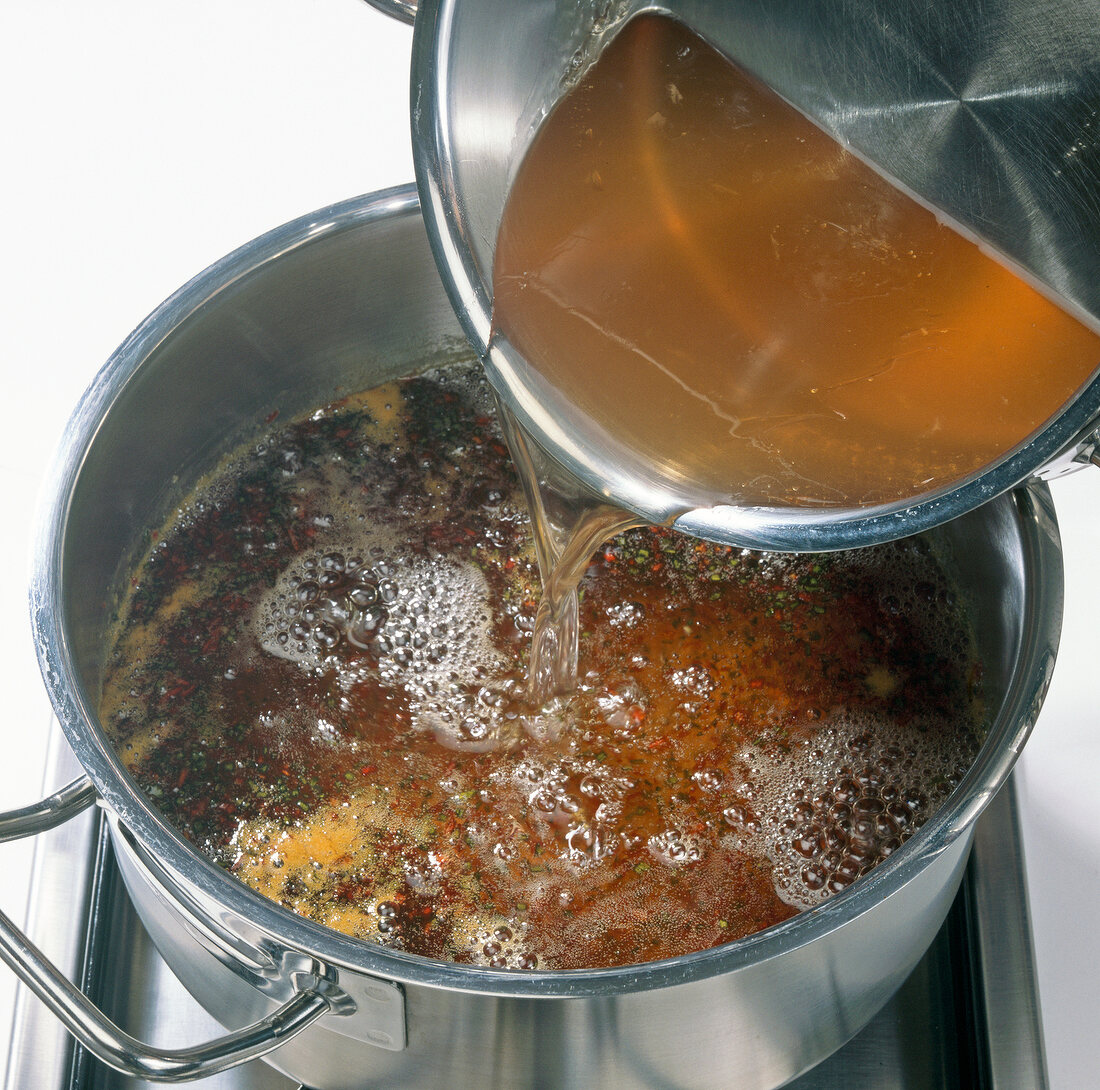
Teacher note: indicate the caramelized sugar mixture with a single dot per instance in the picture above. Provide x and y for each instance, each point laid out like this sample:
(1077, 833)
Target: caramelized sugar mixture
(723, 290)
(319, 676)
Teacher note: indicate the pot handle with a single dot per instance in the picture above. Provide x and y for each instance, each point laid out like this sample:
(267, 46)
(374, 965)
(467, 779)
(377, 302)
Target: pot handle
(95, 1030)
(63, 804)
(405, 10)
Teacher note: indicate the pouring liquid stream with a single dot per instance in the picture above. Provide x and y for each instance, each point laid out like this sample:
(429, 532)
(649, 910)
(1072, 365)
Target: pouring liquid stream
(568, 526)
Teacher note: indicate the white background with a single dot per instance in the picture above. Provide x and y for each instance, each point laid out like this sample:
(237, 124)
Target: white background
(142, 140)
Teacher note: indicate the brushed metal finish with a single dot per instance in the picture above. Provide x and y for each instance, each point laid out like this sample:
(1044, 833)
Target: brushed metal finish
(120, 1050)
(988, 941)
(1004, 955)
(371, 1008)
(343, 299)
(52, 984)
(753, 1027)
(949, 1027)
(94, 1029)
(987, 111)
(67, 912)
(42, 1050)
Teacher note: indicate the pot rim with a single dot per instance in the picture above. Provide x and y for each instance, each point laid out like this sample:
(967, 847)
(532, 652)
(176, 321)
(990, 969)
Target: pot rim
(76, 710)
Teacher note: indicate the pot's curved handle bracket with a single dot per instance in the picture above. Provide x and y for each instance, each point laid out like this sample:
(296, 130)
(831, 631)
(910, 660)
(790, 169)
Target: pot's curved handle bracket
(95, 1030)
(1088, 446)
(1084, 450)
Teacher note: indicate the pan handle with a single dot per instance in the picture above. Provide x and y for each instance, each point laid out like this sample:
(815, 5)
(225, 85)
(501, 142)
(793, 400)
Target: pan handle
(95, 1030)
(405, 10)
(63, 804)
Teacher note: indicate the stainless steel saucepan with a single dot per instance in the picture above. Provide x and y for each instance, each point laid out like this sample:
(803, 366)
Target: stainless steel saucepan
(988, 111)
(341, 300)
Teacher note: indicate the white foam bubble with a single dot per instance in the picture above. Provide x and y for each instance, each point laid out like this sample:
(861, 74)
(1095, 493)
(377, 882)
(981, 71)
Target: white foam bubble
(424, 624)
(838, 805)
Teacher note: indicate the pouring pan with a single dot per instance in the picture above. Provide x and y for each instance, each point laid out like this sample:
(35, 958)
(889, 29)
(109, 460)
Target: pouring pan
(987, 115)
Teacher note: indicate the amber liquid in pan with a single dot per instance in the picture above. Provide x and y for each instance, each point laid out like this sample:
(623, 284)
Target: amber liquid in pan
(720, 288)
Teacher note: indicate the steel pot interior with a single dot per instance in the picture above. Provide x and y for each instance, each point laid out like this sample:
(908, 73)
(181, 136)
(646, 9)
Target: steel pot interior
(338, 301)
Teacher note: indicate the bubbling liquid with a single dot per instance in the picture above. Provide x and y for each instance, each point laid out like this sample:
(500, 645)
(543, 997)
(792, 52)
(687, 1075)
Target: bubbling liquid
(320, 675)
(707, 285)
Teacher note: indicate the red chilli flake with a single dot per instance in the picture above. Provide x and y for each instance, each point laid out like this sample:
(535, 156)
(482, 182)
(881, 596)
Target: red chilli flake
(181, 689)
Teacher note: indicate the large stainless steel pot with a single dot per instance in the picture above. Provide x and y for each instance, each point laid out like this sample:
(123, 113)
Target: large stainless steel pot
(340, 300)
(987, 111)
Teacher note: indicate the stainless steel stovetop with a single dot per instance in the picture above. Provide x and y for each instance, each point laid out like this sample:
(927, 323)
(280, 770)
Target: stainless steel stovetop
(967, 1018)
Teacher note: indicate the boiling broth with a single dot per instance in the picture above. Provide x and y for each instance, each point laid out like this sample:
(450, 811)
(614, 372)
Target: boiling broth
(714, 285)
(319, 675)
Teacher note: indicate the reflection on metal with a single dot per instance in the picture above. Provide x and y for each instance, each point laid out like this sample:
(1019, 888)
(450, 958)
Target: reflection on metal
(63, 804)
(120, 1050)
(966, 1019)
(79, 1015)
(988, 111)
(1001, 954)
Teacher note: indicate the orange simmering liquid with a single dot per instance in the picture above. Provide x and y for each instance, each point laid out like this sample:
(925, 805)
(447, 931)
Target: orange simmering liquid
(319, 677)
(716, 284)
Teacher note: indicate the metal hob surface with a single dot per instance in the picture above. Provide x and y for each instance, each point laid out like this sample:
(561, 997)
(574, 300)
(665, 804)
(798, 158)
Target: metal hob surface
(967, 1018)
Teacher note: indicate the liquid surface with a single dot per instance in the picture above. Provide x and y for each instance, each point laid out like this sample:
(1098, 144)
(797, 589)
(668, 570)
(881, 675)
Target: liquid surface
(733, 301)
(320, 675)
